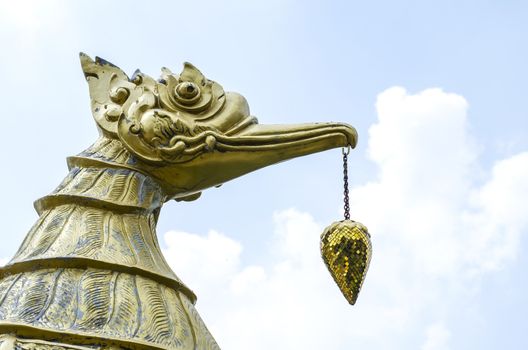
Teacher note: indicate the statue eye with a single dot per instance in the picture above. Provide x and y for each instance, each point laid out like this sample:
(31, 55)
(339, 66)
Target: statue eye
(187, 90)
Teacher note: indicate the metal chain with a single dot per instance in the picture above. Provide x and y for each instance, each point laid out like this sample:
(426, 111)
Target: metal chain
(345, 180)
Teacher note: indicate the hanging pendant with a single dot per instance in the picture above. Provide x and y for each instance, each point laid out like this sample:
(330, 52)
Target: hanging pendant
(346, 248)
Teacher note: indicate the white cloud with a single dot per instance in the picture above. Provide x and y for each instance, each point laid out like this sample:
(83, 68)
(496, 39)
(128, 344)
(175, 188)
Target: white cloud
(426, 198)
(202, 261)
(437, 337)
(499, 216)
(434, 230)
(248, 279)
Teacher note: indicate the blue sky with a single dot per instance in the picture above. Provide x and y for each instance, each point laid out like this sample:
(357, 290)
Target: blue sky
(436, 92)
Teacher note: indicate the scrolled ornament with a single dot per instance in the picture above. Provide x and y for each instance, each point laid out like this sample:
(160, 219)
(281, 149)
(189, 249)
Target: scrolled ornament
(191, 93)
(119, 95)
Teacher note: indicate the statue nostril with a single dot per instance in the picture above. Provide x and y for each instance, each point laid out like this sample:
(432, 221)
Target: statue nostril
(190, 88)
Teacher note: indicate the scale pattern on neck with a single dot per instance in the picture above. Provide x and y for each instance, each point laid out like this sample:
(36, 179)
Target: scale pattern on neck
(90, 272)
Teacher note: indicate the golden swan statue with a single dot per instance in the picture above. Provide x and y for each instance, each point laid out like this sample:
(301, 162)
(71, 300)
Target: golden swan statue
(90, 273)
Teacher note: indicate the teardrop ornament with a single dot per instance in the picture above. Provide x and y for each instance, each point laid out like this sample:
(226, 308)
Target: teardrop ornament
(346, 250)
